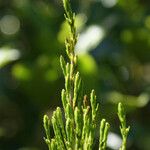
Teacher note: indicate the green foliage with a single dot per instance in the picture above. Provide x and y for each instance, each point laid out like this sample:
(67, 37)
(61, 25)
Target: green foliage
(124, 130)
(117, 67)
(104, 127)
(77, 132)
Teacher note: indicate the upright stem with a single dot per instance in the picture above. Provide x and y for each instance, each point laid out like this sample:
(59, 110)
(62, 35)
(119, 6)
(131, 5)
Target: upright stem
(78, 130)
(123, 129)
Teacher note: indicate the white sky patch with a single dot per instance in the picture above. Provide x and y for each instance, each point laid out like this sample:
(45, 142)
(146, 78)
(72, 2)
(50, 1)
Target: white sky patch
(9, 24)
(114, 141)
(8, 55)
(109, 3)
(89, 39)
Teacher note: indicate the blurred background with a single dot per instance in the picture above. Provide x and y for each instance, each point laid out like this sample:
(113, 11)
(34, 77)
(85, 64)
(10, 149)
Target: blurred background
(114, 59)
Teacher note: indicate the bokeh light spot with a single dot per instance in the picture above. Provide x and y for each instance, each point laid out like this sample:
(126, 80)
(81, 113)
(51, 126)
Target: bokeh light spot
(109, 3)
(7, 55)
(9, 24)
(114, 141)
(21, 72)
(89, 39)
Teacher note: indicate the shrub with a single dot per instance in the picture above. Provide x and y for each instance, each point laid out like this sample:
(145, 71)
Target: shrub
(77, 132)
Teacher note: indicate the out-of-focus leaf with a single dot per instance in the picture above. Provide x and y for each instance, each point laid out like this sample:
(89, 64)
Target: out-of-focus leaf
(87, 64)
(21, 72)
(51, 75)
(2, 132)
(89, 71)
(131, 101)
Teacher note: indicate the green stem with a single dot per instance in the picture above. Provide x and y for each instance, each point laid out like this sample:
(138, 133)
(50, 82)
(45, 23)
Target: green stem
(123, 129)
